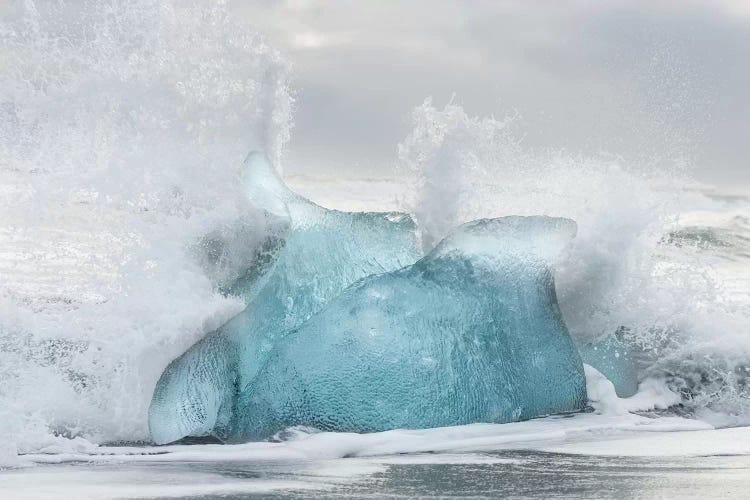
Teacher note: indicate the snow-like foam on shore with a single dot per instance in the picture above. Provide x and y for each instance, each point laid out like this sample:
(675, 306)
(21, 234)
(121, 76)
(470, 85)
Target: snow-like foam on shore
(303, 445)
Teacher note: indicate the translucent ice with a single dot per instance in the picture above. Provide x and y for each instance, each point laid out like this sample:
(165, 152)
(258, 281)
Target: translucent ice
(612, 358)
(315, 255)
(470, 333)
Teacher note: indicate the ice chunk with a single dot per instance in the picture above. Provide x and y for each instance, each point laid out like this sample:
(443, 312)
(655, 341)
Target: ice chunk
(612, 358)
(320, 254)
(470, 333)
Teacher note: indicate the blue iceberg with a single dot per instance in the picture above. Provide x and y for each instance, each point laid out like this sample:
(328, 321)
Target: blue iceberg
(470, 333)
(312, 258)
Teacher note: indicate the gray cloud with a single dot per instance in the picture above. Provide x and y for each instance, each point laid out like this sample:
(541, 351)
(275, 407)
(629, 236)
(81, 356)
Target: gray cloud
(649, 81)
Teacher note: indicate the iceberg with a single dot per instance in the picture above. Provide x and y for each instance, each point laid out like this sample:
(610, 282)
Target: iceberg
(612, 358)
(313, 257)
(470, 333)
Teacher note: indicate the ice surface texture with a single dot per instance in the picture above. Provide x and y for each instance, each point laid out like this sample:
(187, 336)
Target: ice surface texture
(315, 256)
(470, 333)
(612, 358)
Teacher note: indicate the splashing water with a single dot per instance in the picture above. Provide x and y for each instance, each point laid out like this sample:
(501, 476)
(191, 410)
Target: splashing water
(688, 318)
(123, 126)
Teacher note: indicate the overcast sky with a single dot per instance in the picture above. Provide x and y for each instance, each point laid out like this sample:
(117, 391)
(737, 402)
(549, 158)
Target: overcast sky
(633, 78)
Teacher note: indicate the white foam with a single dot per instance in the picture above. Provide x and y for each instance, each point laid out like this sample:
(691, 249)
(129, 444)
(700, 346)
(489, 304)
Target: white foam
(653, 394)
(533, 434)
